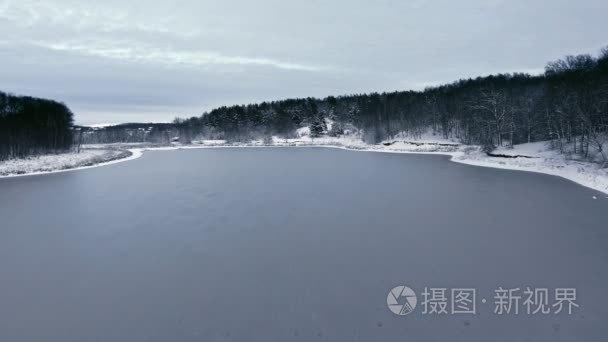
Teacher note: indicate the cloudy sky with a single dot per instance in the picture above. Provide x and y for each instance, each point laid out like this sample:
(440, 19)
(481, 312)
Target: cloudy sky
(121, 61)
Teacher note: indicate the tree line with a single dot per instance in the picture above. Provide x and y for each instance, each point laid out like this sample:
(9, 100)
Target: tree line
(567, 105)
(31, 125)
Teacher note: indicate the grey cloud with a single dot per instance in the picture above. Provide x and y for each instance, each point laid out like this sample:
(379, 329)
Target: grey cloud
(117, 61)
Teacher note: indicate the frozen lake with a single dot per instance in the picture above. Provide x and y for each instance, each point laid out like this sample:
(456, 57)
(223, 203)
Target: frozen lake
(302, 244)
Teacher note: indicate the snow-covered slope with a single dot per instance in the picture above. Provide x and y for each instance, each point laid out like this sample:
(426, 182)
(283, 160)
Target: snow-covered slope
(538, 157)
(535, 149)
(61, 162)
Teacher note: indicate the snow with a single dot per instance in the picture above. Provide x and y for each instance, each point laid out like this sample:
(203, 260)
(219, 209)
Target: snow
(538, 157)
(52, 163)
(542, 161)
(115, 146)
(303, 132)
(211, 142)
(428, 136)
(103, 125)
(530, 149)
(329, 123)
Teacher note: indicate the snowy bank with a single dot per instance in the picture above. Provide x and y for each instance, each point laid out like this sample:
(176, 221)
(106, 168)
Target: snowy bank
(63, 162)
(538, 157)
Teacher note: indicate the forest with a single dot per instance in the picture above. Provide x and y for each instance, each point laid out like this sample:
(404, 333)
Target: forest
(567, 105)
(30, 126)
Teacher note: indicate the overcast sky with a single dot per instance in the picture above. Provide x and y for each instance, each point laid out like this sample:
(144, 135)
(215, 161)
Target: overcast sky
(121, 61)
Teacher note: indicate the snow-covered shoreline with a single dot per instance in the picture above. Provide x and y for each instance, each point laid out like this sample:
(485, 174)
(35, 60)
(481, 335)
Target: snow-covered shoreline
(524, 157)
(65, 162)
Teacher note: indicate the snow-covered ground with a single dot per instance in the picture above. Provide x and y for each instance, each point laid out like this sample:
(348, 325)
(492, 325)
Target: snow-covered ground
(425, 137)
(535, 157)
(538, 157)
(62, 162)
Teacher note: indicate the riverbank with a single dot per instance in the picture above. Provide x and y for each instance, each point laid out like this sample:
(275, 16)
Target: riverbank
(61, 162)
(534, 157)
